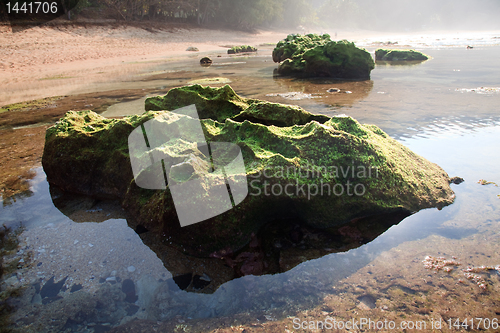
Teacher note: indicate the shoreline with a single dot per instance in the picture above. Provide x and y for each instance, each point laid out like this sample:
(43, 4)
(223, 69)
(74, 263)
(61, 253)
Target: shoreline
(33, 57)
(57, 58)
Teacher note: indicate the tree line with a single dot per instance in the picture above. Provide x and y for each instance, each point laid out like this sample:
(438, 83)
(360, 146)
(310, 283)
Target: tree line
(337, 14)
(236, 13)
(397, 15)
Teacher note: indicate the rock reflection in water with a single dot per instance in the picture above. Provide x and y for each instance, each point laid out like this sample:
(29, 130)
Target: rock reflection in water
(344, 93)
(81, 208)
(399, 63)
(278, 247)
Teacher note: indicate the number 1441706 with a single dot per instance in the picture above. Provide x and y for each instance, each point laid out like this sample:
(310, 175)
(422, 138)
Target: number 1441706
(473, 323)
(34, 7)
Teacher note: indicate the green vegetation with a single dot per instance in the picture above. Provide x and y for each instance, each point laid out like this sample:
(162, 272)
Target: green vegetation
(399, 55)
(485, 182)
(241, 49)
(297, 45)
(280, 144)
(314, 55)
(29, 105)
(235, 13)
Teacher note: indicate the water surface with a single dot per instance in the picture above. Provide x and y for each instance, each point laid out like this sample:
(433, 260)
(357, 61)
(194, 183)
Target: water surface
(424, 106)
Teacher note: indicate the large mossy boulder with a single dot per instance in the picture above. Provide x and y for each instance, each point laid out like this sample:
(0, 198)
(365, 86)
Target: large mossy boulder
(321, 171)
(399, 55)
(318, 56)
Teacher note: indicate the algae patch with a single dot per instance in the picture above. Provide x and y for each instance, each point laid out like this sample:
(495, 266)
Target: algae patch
(30, 105)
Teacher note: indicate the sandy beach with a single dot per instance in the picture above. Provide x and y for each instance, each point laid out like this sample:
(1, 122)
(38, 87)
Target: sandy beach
(56, 59)
(49, 52)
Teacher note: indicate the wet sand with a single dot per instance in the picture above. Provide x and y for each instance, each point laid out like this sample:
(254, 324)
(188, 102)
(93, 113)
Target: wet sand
(22, 132)
(59, 59)
(31, 59)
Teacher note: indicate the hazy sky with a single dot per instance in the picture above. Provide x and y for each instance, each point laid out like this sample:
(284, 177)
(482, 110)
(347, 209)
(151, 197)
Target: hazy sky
(410, 14)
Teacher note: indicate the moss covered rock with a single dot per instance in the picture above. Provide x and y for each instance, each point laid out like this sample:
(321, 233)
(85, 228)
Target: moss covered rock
(103, 168)
(295, 45)
(241, 49)
(314, 55)
(321, 171)
(399, 55)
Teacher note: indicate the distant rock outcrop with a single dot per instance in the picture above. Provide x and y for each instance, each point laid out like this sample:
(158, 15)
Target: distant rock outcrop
(241, 49)
(399, 55)
(314, 55)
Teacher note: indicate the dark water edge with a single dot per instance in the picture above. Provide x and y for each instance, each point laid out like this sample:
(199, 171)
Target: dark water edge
(422, 106)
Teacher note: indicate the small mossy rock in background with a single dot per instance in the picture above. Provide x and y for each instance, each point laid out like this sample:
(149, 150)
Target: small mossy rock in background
(318, 56)
(241, 49)
(399, 55)
(287, 167)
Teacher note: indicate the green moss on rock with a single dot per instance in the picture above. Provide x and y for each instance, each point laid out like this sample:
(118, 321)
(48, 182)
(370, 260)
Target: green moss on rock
(399, 55)
(101, 153)
(295, 45)
(241, 49)
(296, 165)
(314, 55)
(217, 104)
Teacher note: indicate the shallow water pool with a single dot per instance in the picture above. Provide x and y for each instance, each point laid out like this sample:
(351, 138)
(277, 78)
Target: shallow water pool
(110, 277)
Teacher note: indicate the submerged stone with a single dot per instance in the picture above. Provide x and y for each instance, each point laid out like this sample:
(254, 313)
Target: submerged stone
(206, 61)
(399, 55)
(321, 171)
(313, 55)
